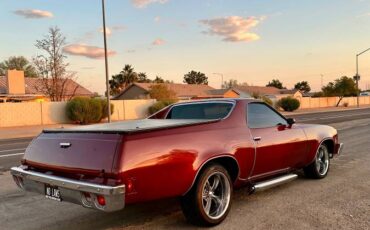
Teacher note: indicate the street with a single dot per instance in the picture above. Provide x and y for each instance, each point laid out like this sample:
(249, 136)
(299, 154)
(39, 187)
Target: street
(340, 201)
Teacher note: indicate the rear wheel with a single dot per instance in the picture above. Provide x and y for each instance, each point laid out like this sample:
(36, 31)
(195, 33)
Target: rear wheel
(209, 201)
(320, 167)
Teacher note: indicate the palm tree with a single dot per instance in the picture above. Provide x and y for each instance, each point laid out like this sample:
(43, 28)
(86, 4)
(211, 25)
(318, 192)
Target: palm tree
(128, 76)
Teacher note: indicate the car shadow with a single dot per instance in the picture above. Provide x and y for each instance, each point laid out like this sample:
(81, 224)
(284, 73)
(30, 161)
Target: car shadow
(166, 213)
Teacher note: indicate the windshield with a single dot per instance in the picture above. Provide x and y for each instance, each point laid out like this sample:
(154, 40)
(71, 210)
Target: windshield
(214, 110)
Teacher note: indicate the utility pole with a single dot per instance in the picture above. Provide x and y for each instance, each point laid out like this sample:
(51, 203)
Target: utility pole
(222, 78)
(357, 76)
(106, 63)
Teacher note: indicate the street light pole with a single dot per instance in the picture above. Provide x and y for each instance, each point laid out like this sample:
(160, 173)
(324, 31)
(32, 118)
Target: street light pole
(106, 63)
(357, 76)
(222, 78)
(357, 79)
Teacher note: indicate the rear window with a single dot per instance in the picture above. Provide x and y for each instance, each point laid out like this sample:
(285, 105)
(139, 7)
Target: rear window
(200, 111)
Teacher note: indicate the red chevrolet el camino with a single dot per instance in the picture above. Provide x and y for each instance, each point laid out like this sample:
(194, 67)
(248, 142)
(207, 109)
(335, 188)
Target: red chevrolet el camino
(198, 151)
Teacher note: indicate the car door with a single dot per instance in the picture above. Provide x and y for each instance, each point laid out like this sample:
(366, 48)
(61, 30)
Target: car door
(279, 146)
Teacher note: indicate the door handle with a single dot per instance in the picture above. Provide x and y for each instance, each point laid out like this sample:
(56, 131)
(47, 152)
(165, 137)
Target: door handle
(257, 138)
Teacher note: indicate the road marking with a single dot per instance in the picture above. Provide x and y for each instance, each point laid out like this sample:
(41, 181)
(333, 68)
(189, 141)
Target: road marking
(9, 150)
(15, 143)
(11, 155)
(330, 117)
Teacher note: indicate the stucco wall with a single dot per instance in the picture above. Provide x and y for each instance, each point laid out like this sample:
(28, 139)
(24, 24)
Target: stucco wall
(42, 113)
(322, 102)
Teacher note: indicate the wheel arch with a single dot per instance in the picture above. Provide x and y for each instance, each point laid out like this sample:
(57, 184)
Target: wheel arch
(229, 162)
(328, 141)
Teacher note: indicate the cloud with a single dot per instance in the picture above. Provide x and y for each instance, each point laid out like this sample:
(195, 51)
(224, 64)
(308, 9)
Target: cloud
(144, 3)
(158, 42)
(34, 13)
(108, 31)
(233, 28)
(87, 51)
(157, 19)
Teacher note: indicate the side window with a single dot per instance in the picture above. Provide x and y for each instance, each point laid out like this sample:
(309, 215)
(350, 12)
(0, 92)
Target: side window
(261, 116)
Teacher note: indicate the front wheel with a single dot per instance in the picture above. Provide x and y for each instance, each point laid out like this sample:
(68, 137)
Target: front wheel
(320, 167)
(209, 201)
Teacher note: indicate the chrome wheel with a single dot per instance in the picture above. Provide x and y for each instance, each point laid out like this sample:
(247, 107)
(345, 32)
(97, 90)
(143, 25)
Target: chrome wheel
(322, 160)
(216, 195)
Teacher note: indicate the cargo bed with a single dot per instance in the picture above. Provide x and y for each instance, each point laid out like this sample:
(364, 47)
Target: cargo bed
(133, 126)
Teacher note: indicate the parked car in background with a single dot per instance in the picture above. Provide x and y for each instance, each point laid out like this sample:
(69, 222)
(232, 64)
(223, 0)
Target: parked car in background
(198, 151)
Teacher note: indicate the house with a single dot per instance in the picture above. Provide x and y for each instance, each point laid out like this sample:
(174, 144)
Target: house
(270, 92)
(182, 91)
(14, 87)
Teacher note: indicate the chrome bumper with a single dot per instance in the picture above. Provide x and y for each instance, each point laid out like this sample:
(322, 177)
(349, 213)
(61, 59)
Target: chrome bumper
(73, 191)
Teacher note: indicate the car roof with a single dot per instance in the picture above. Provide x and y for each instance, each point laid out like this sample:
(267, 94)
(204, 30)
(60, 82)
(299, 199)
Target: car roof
(218, 100)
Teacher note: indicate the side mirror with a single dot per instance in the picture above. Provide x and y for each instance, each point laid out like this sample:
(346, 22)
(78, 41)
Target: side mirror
(290, 121)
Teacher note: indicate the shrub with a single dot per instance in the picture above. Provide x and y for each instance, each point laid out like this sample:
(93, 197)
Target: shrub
(288, 104)
(104, 108)
(160, 105)
(161, 92)
(345, 104)
(267, 100)
(83, 110)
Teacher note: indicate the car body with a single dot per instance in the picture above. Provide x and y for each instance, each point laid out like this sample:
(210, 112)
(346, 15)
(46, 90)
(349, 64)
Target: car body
(106, 166)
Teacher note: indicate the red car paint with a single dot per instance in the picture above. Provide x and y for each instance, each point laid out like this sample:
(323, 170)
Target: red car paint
(161, 163)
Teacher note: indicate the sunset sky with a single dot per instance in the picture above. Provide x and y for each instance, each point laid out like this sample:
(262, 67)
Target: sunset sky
(251, 41)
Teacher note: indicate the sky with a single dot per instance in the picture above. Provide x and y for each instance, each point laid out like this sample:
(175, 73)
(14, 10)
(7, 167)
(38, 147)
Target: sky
(251, 41)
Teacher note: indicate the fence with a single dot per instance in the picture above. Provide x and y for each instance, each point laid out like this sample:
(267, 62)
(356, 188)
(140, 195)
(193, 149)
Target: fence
(322, 102)
(45, 113)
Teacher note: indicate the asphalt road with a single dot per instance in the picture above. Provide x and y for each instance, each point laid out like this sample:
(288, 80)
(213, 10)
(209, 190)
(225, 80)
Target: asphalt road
(340, 201)
(333, 116)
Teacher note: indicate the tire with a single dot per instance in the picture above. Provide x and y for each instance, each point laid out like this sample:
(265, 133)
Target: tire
(207, 204)
(319, 168)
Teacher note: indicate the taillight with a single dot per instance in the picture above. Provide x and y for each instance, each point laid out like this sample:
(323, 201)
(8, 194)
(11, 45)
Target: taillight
(129, 186)
(101, 200)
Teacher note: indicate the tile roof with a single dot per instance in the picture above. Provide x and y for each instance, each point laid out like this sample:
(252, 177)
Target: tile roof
(265, 90)
(181, 90)
(34, 86)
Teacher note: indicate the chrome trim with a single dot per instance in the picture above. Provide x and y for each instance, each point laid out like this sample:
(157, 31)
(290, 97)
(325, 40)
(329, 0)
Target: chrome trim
(205, 162)
(264, 185)
(65, 145)
(67, 183)
(257, 138)
(204, 102)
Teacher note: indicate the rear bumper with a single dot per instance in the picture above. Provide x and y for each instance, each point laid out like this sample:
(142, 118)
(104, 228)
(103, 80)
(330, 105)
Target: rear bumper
(73, 191)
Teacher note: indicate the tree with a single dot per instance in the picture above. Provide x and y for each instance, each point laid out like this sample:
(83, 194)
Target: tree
(18, 63)
(232, 83)
(276, 83)
(51, 66)
(120, 81)
(303, 86)
(161, 92)
(342, 87)
(194, 77)
(158, 80)
(229, 84)
(142, 78)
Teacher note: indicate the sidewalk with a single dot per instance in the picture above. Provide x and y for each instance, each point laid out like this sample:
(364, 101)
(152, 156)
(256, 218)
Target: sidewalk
(26, 131)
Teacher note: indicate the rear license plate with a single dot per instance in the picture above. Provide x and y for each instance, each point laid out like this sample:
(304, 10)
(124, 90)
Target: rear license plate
(53, 193)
